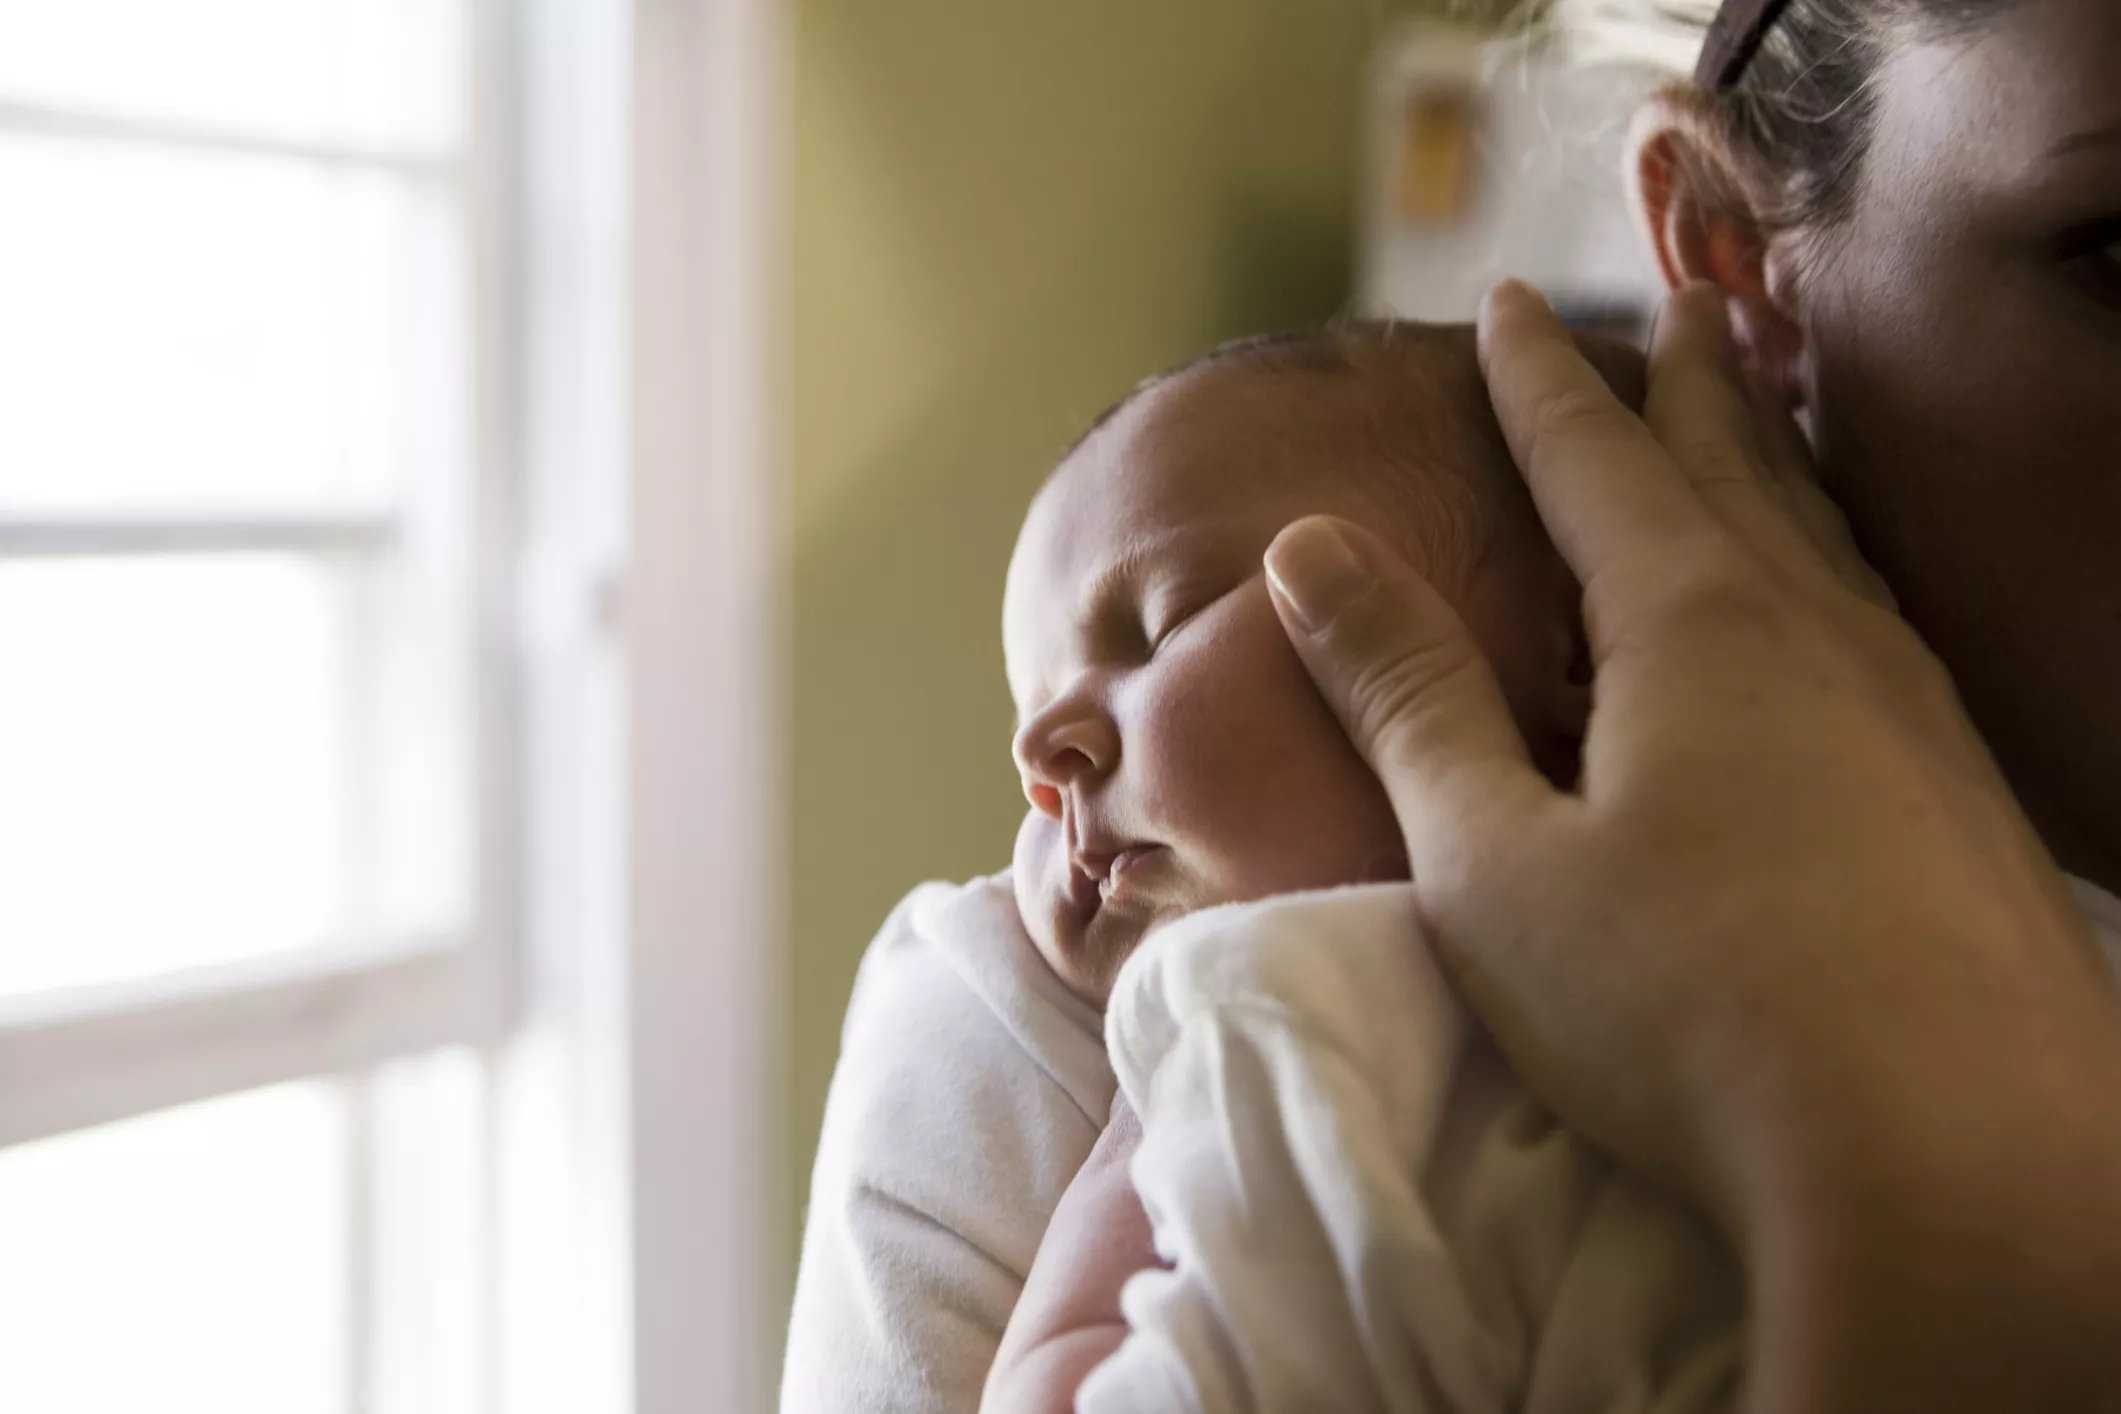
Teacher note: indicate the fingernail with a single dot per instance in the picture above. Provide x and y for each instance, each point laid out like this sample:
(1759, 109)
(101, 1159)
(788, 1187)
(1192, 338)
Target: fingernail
(1505, 293)
(1317, 572)
(1518, 289)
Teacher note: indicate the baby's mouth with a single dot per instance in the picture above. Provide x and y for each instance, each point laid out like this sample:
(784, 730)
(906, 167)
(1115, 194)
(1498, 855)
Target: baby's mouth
(1082, 878)
(1085, 895)
(1121, 877)
(1122, 869)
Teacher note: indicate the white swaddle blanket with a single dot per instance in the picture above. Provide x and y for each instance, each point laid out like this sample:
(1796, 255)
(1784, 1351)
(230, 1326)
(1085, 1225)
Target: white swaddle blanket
(1366, 1210)
(971, 1086)
(1292, 1083)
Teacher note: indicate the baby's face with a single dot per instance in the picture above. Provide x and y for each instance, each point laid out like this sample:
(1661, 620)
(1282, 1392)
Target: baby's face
(1174, 750)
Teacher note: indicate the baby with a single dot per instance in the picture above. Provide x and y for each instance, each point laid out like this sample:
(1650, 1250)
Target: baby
(1354, 1205)
(1174, 751)
(1362, 1207)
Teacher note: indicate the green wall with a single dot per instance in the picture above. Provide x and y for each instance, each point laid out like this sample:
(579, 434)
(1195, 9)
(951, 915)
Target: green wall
(1005, 214)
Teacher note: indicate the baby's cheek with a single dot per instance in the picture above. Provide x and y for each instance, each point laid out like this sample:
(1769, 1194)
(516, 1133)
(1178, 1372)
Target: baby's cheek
(1217, 702)
(1251, 695)
(1031, 875)
(1248, 761)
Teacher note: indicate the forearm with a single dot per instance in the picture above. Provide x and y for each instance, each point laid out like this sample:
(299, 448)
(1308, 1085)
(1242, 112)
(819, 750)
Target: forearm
(1962, 1257)
(1068, 1321)
(1861, 1329)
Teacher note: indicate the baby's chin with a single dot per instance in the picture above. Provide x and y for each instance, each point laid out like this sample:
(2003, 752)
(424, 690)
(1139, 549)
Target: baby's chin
(1035, 907)
(1057, 919)
(1087, 959)
(1085, 955)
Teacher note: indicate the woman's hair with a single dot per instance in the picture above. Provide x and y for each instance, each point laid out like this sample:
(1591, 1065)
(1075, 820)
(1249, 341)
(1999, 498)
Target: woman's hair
(1803, 109)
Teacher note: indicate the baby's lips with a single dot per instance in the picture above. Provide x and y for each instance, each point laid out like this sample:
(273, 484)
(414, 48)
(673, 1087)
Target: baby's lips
(1124, 862)
(1081, 896)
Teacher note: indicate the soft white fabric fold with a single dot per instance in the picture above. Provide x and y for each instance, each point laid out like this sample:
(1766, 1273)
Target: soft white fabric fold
(971, 1086)
(1366, 1208)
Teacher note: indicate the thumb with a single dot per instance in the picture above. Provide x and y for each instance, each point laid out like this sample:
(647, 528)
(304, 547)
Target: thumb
(1410, 687)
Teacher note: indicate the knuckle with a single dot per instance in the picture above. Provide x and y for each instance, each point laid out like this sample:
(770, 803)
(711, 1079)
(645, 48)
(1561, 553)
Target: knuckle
(1726, 598)
(1902, 654)
(1393, 692)
(1907, 672)
(1480, 876)
(1711, 464)
(1576, 414)
(1707, 587)
(1822, 519)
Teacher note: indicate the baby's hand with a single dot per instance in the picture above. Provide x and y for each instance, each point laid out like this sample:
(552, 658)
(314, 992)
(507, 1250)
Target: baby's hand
(1068, 1319)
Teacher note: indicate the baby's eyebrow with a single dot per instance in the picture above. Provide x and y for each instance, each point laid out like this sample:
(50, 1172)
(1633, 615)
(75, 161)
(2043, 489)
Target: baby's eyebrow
(1120, 573)
(1109, 583)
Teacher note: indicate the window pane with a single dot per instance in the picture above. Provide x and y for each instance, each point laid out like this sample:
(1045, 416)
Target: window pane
(174, 739)
(198, 330)
(379, 72)
(211, 758)
(190, 1260)
(429, 1219)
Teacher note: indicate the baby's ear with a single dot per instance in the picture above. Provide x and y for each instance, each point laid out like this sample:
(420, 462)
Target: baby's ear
(1705, 204)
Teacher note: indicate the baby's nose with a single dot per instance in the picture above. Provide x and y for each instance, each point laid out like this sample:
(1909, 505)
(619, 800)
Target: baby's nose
(1045, 799)
(1064, 745)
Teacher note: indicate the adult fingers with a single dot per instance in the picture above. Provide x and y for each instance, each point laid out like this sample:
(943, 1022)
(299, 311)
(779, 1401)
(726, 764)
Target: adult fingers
(1606, 489)
(1412, 691)
(1701, 411)
(1787, 459)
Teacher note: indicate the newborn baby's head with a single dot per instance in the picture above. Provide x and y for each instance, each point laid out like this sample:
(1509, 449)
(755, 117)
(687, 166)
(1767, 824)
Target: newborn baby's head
(1175, 752)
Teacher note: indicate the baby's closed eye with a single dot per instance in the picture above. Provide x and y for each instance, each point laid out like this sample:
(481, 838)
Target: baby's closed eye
(1170, 609)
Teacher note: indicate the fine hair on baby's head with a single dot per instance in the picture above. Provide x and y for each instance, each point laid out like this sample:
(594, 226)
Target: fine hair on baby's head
(1174, 752)
(1403, 410)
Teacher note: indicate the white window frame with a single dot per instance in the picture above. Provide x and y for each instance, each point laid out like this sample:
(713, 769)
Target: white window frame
(648, 1057)
(91, 1055)
(704, 586)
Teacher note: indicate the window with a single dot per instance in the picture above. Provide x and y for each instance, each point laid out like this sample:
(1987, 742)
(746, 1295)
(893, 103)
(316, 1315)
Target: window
(386, 942)
(308, 1248)
(254, 607)
(242, 486)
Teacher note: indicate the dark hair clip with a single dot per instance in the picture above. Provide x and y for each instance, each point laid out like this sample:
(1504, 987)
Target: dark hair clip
(1733, 37)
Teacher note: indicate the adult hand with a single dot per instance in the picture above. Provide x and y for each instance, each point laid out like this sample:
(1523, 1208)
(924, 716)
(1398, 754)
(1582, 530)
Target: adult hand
(1791, 946)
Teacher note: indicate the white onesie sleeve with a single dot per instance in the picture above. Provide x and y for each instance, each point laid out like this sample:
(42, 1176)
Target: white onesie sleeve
(970, 1088)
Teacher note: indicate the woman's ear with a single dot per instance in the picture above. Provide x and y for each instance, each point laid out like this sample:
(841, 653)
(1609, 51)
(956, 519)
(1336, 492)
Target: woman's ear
(1700, 204)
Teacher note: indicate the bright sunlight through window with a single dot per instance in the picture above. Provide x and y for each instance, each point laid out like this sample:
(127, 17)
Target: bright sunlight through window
(242, 513)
